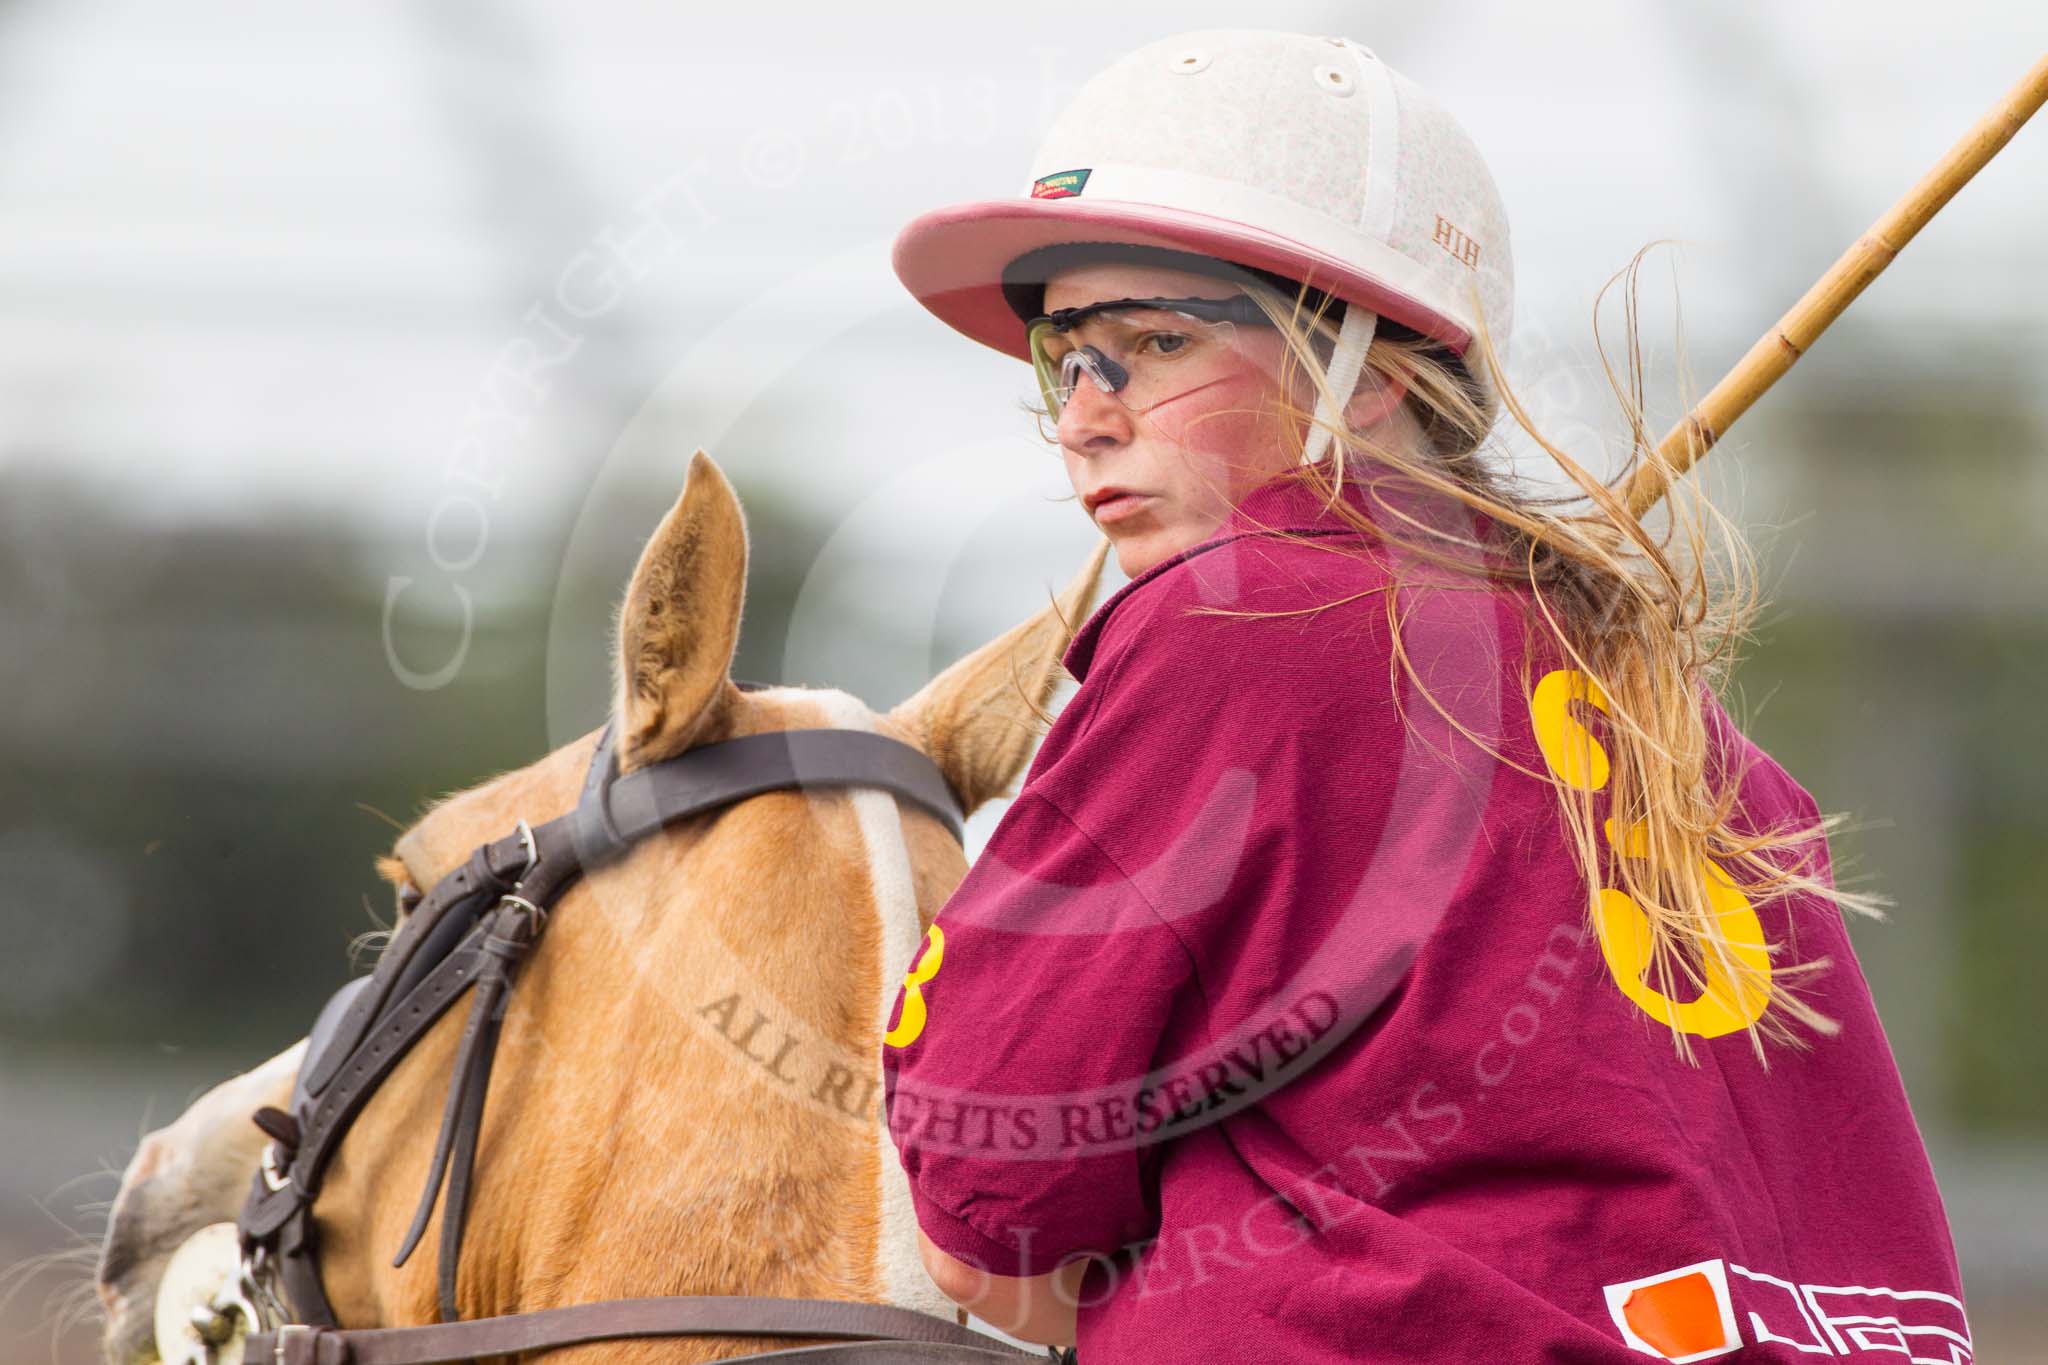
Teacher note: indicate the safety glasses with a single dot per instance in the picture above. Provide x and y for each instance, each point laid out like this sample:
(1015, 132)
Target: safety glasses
(1142, 352)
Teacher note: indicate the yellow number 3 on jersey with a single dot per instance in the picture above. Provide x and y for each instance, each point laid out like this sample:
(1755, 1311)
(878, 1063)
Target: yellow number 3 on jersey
(910, 1022)
(1575, 757)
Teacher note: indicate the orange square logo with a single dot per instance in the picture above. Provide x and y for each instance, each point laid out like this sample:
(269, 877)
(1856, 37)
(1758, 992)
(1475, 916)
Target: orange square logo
(1679, 1315)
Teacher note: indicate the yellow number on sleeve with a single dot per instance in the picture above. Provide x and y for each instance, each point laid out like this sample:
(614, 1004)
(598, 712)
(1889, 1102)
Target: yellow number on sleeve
(910, 1022)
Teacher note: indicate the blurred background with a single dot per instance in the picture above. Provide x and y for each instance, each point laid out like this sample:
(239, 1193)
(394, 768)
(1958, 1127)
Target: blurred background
(347, 356)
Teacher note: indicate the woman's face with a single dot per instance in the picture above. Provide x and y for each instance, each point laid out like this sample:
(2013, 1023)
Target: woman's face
(1187, 461)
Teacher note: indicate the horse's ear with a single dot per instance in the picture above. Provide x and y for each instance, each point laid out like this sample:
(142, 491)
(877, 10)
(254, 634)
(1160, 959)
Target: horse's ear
(680, 622)
(976, 718)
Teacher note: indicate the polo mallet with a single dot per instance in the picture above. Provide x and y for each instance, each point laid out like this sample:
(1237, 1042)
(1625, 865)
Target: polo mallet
(1834, 292)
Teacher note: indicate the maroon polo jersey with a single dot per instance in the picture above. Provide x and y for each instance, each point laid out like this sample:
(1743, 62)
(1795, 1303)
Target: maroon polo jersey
(1275, 991)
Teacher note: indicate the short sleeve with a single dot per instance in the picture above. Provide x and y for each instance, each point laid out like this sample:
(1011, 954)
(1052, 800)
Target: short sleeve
(1035, 1006)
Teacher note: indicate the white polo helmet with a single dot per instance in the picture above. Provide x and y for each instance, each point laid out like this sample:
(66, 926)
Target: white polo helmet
(1302, 156)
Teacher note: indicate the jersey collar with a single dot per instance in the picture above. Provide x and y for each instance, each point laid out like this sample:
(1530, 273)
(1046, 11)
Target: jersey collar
(1283, 504)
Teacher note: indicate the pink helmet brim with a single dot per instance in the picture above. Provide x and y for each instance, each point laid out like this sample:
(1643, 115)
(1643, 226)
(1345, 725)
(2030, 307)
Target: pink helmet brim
(952, 259)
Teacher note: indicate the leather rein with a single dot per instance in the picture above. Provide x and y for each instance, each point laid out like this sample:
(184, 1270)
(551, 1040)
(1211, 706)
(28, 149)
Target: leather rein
(469, 934)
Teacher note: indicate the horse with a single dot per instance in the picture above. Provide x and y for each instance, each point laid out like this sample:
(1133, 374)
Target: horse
(688, 1073)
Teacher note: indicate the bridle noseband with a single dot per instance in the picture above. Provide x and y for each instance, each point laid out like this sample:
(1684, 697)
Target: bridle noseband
(469, 934)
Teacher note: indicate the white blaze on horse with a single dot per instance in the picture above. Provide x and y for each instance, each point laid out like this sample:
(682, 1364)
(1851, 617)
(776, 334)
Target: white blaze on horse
(688, 1073)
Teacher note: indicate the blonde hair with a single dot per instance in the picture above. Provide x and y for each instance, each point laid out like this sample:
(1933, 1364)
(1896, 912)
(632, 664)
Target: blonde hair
(1648, 623)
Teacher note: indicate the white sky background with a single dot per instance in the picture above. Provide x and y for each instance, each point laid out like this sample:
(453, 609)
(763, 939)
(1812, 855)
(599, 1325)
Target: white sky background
(258, 253)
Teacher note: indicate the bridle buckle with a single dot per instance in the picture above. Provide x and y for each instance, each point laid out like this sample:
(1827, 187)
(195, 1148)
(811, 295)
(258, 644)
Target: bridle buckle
(274, 1177)
(533, 918)
(532, 847)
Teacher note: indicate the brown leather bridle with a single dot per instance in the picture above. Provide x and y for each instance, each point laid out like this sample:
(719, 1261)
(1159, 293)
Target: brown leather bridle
(469, 933)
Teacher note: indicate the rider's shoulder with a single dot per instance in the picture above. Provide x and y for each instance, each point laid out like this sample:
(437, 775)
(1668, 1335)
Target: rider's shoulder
(1232, 599)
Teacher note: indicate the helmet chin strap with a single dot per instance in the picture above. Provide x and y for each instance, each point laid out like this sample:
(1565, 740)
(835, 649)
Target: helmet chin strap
(1347, 364)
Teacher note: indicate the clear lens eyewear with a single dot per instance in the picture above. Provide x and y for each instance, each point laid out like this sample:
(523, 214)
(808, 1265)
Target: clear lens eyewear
(1142, 352)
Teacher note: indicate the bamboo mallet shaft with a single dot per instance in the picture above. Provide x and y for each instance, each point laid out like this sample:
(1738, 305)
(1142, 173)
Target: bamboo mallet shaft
(1834, 292)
